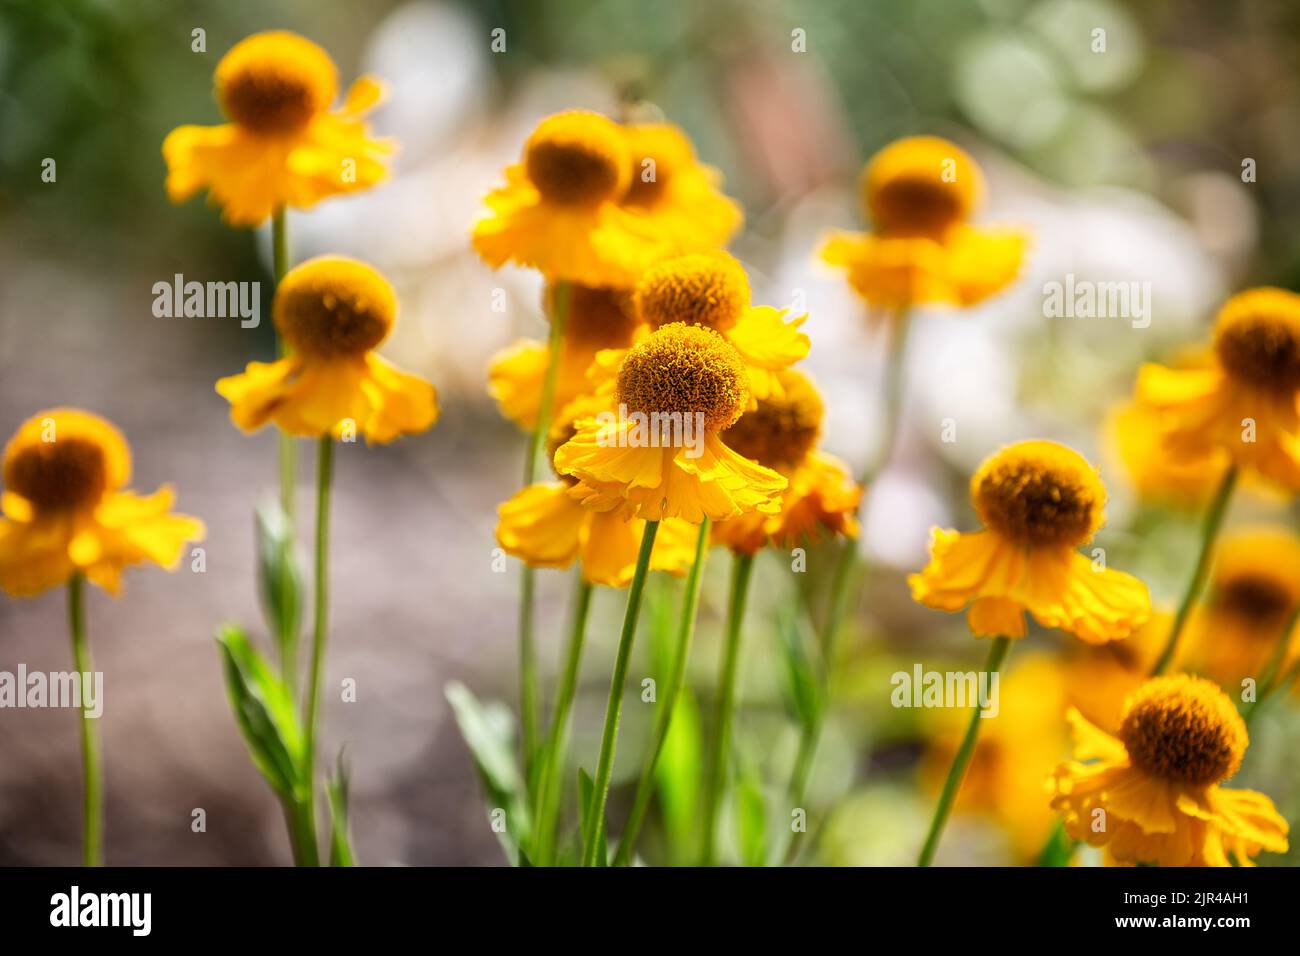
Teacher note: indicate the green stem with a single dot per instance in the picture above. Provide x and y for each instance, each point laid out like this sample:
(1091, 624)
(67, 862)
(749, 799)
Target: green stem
(324, 476)
(550, 778)
(92, 808)
(529, 707)
(716, 769)
(1274, 678)
(846, 561)
(997, 654)
(663, 721)
(1209, 532)
(614, 706)
(287, 447)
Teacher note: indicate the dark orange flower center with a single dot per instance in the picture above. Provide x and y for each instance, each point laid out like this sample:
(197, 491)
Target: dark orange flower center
(577, 159)
(708, 289)
(684, 369)
(60, 475)
(784, 427)
(334, 307)
(1257, 339)
(1185, 730)
(1039, 493)
(275, 82)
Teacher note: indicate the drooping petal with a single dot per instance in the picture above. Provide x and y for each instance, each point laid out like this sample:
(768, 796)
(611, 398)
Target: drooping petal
(541, 525)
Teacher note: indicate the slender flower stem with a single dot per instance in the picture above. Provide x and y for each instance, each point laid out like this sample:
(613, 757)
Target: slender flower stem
(92, 808)
(663, 721)
(614, 706)
(997, 654)
(288, 444)
(1209, 532)
(716, 769)
(550, 774)
(324, 477)
(846, 562)
(1274, 678)
(529, 707)
(1283, 681)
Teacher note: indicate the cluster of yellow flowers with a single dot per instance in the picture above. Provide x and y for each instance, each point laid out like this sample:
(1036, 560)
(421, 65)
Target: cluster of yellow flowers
(669, 408)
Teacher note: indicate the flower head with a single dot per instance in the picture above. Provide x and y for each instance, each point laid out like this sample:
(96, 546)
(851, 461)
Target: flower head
(545, 527)
(597, 318)
(919, 193)
(679, 196)
(332, 312)
(559, 211)
(283, 145)
(65, 510)
(1253, 593)
(1133, 432)
(595, 203)
(711, 290)
(660, 456)
(1151, 794)
(1244, 404)
(781, 433)
(1039, 502)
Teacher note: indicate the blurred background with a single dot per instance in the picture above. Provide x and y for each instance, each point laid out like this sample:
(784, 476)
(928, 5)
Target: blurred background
(1122, 165)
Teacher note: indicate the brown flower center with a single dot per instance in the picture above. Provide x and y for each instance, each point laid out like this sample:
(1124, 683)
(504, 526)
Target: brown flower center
(61, 475)
(1183, 729)
(1039, 493)
(334, 307)
(275, 82)
(708, 289)
(784, 427)
(681, 370)
(577, 159)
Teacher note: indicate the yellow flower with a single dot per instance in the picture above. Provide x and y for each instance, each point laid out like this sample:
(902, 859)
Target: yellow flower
(1015, 752)
(597, 319)
(283, 146)
(919, 193)
(65, 510)
(332, 312)
(1245, 403)
(544, 527)
(1133, 433)
(1151, 794)
(1039, 502)
(1253, 591)
(559, 211)
(663, 458)
(782, 433)
(678, 195)
(710, 289)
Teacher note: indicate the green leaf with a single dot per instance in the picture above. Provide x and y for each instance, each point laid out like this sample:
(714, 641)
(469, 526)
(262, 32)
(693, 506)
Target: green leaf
(336, 789)
(751, 819)
(279, 577)
(678, 777)
(488, 729)
(265, 712)
(800, 682)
